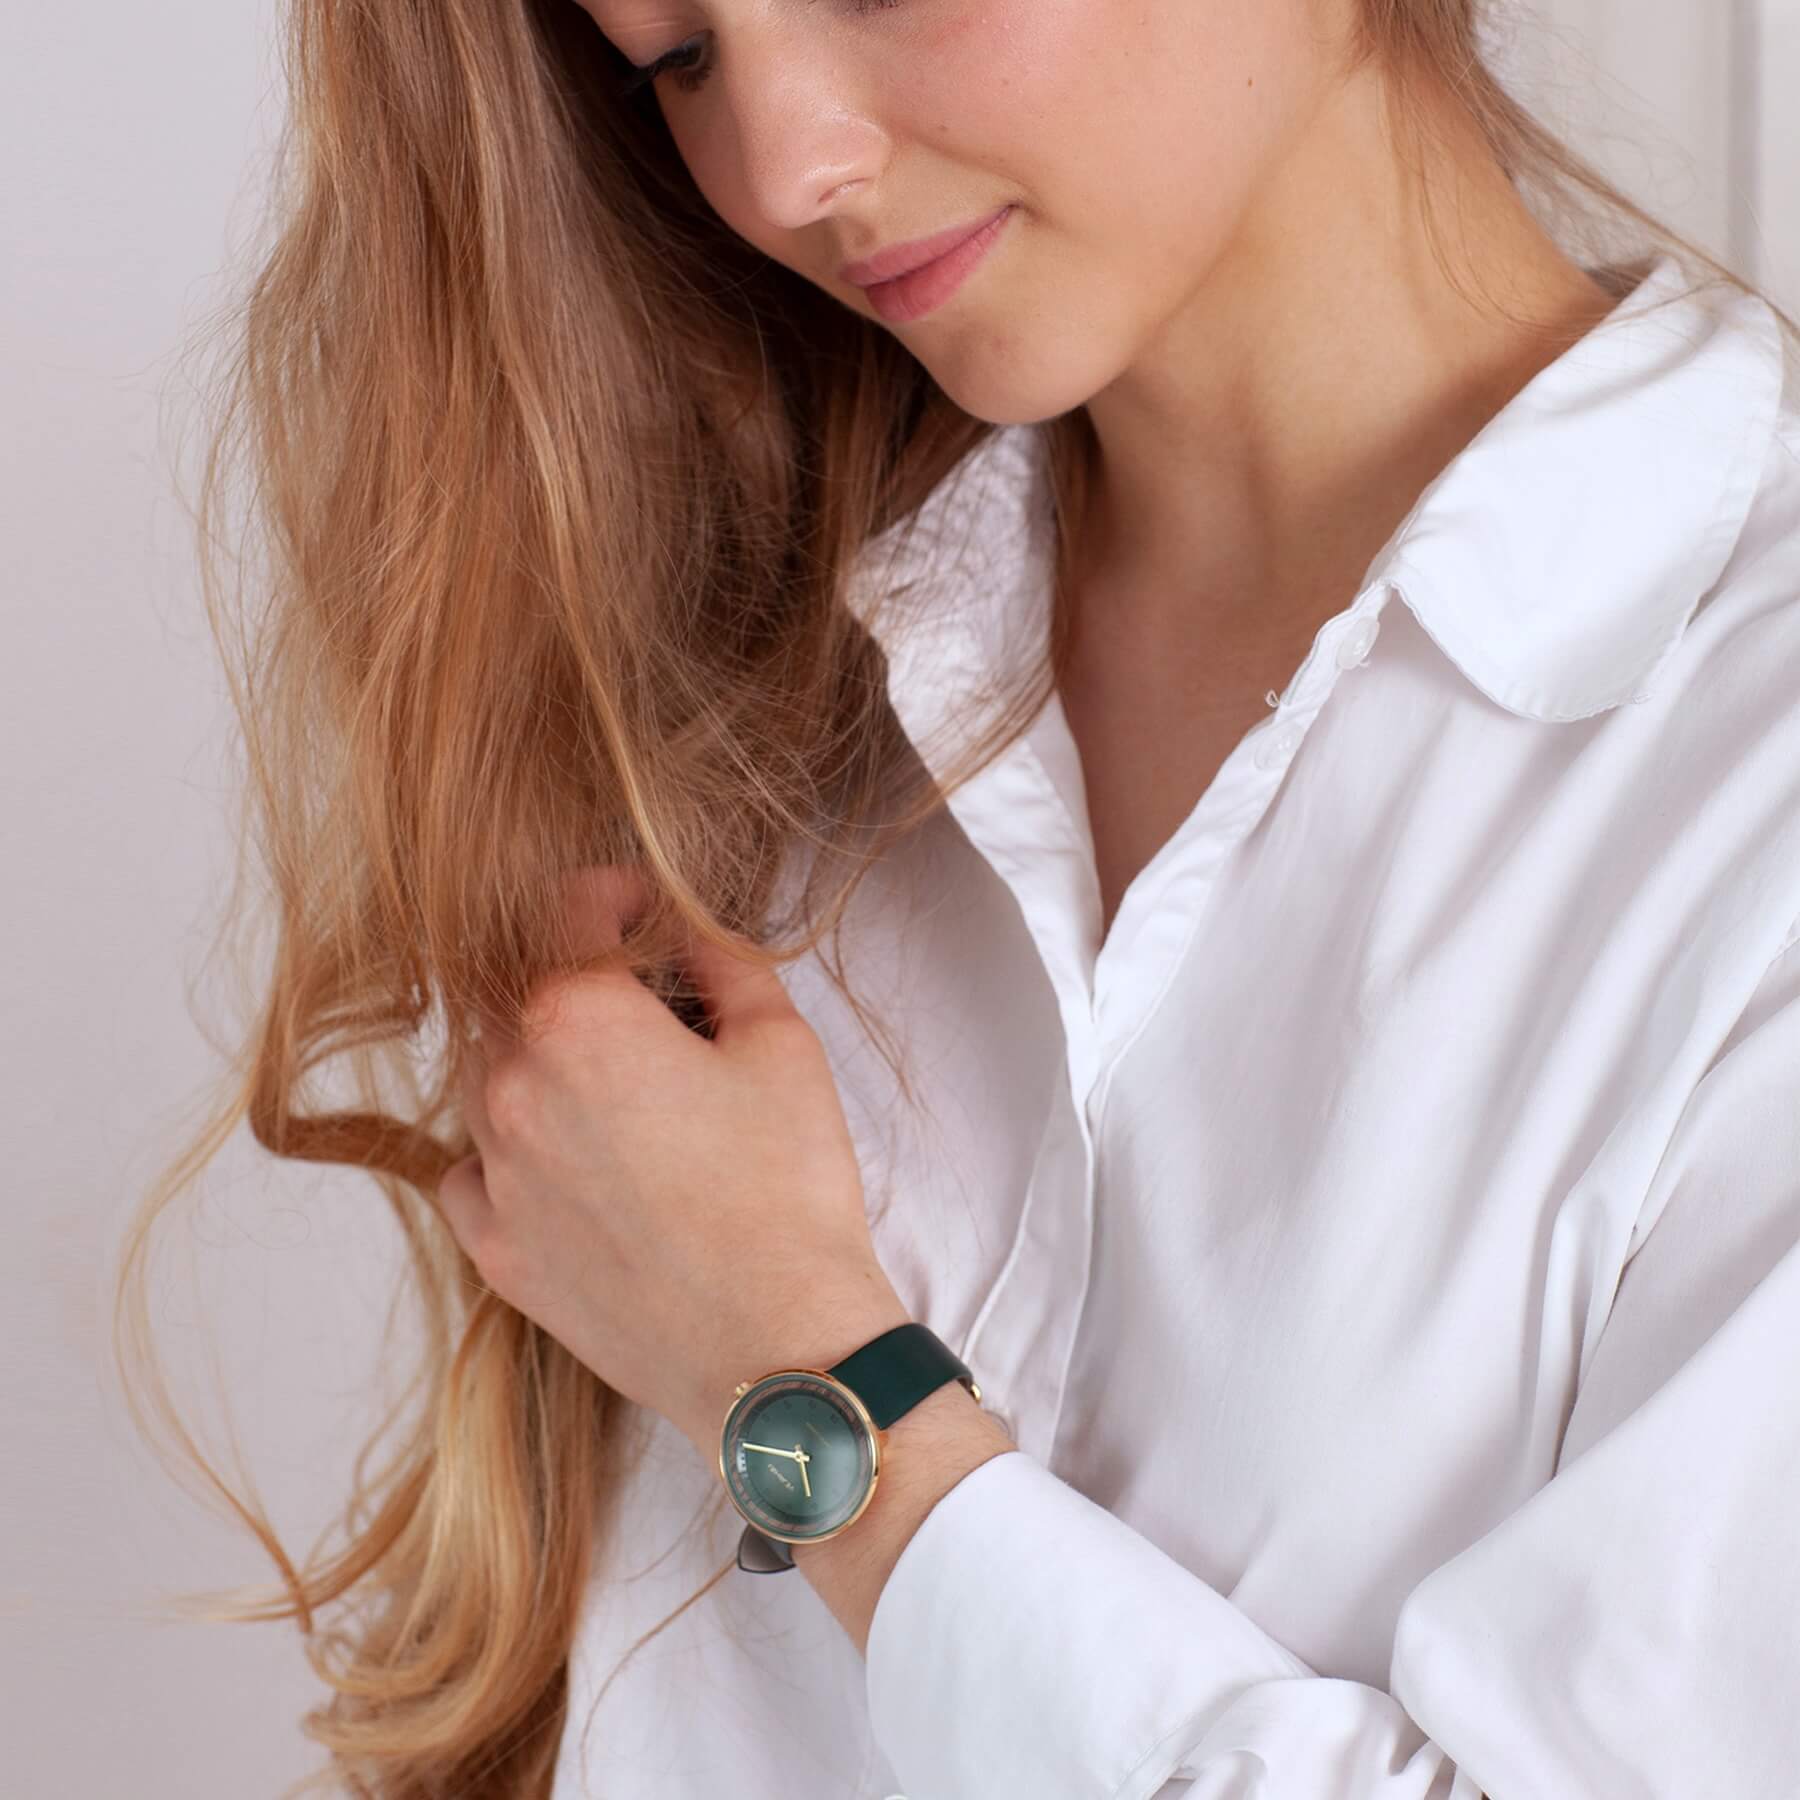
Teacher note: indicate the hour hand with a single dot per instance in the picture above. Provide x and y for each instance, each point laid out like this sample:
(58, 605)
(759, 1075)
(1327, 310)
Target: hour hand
(796, 1454)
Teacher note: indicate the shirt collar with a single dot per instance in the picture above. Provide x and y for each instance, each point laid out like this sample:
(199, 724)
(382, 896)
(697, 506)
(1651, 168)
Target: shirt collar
(1556, 559)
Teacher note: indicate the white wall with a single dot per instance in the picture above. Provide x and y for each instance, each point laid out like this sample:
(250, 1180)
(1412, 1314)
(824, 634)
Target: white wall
(131, 136)
(1687, 103)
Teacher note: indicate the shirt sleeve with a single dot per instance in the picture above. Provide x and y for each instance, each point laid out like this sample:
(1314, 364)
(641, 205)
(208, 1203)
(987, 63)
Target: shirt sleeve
(1633, 1629)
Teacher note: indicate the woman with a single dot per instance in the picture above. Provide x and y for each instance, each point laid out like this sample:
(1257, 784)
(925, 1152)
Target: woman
(1173, 843)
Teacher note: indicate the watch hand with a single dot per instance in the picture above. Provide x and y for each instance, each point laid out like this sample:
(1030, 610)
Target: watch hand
(768, 1449)
(803, 1459)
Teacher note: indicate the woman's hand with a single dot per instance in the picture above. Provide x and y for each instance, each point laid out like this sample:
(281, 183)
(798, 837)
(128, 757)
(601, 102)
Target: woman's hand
(682, 1213)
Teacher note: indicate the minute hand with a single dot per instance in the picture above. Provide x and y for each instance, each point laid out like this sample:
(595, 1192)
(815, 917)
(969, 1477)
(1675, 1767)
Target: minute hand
(797, 1454)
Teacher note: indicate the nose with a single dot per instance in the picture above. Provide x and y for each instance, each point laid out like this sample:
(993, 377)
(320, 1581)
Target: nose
(798, 171)
(807, 135)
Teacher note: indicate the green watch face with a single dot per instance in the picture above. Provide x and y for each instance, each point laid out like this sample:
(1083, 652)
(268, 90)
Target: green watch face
(799, 1456)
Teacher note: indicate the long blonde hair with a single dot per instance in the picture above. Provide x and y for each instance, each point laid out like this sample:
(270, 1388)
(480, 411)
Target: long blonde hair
(557, 483)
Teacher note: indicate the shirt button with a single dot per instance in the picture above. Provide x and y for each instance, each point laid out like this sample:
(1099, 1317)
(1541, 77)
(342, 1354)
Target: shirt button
(1353, 647)
(1278, 746)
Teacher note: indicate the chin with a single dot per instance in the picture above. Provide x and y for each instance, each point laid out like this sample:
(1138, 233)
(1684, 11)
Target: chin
(1009, 380)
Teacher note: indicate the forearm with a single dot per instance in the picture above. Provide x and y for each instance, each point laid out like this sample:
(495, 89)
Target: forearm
(928, 1451)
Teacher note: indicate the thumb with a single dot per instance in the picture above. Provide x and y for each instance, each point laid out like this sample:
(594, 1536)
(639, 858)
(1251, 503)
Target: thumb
(599, 900)
(738, 987)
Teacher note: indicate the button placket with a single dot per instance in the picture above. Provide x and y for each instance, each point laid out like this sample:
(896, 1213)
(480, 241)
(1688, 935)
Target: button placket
(1354, 646)
(1019, 1346)
(1021, 1352)
(1279, 743)
(1282, 738)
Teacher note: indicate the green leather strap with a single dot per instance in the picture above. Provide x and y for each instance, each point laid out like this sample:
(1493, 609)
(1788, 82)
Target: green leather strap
(892, 1373)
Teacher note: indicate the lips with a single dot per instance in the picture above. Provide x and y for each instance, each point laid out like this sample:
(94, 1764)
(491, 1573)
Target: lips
(902, 259)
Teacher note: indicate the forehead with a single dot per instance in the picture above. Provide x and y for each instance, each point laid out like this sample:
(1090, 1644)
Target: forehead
(639, 24)
(635, 14)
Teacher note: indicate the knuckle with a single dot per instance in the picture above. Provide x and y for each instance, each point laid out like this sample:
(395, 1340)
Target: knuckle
(474, 1234)
(564, 1009)
(787, 1032)
(546, 1003)
(492, 1258)
(509, 1094)
(796, 1044)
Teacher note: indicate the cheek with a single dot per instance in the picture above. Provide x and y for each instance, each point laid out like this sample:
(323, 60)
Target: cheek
(1013, 82)
(1152, 125)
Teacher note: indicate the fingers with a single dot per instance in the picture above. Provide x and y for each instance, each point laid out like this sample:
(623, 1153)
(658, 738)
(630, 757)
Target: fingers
(736, 989)
(600, 900)
(462, 1198)
(473, 1088)
(733, 986)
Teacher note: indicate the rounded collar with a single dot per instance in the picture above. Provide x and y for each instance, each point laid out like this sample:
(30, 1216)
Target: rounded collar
(1556, 559)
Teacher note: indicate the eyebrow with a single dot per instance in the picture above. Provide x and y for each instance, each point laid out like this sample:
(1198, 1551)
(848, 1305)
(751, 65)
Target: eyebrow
(622, 65)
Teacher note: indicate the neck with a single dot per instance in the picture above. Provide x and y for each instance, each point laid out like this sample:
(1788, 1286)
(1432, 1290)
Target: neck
(1324, 370)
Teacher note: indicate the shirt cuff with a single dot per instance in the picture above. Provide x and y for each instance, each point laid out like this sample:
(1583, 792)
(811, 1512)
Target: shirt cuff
(1025, 1628)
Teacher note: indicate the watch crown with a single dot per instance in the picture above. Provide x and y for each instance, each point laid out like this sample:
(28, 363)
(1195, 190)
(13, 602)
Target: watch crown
(743, 1387)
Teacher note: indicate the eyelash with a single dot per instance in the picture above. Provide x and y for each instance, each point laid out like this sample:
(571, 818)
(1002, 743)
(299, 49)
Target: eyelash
(689, 75)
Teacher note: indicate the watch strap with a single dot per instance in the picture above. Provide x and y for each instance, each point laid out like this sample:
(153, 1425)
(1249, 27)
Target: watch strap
(892, 1373)
(759, 1554)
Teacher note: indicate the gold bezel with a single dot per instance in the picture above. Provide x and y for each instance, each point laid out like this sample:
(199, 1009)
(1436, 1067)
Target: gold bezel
(876, 1437)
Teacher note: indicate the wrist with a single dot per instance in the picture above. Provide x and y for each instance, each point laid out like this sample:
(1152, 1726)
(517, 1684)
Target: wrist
(924, 1453)
(832, 1333)
(933, 1447)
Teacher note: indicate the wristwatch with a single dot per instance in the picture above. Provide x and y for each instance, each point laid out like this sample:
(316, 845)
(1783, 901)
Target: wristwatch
(800, 1452)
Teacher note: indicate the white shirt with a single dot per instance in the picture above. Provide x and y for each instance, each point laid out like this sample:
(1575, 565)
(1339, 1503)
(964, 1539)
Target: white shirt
(1384, 1245)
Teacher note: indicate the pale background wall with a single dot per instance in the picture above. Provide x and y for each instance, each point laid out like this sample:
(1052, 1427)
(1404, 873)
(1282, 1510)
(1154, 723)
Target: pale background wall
(131, 136)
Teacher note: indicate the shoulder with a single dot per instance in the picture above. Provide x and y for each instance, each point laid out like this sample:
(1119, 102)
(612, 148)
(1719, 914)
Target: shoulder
(1722, 761)
(1741, 646)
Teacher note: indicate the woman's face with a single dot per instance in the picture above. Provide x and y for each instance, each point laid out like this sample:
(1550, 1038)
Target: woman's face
(1133, 141)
